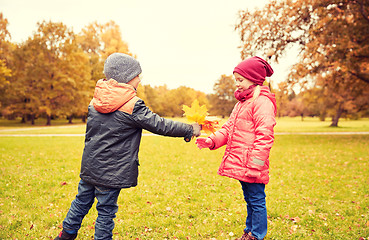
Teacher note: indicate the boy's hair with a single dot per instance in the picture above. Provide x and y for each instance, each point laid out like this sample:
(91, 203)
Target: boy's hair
(121, 67)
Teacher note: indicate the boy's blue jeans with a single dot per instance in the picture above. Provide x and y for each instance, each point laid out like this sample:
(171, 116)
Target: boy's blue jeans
(106, 207)
(256, 221)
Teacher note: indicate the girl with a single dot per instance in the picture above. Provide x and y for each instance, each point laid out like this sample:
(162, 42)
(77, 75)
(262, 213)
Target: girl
(249, 136)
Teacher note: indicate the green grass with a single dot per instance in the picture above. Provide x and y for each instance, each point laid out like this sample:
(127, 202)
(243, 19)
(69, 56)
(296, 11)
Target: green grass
(315, 125)
(319, 189)
(291, 125)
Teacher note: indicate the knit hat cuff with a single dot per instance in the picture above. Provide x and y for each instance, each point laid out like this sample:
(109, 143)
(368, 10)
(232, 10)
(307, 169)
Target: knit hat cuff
(248, 76)
(254, 69)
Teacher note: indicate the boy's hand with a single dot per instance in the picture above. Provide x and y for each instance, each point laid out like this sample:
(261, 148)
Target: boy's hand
(196, 129)
(204, 143)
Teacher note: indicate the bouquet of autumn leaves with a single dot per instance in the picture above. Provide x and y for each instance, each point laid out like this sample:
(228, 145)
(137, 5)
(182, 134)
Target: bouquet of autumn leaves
(198, 114)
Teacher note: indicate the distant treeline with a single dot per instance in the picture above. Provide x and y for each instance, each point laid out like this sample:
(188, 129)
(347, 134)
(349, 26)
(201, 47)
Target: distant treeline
(53, 73)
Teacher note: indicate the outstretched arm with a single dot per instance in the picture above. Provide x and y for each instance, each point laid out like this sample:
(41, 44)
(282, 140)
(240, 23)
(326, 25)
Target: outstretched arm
(146, 119)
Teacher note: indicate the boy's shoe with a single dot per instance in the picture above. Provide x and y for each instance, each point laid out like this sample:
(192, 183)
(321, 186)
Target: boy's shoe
(63, 235)
(252, 238)
(245, 236)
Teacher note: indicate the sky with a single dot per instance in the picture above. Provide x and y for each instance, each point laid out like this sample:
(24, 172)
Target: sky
(178, 43)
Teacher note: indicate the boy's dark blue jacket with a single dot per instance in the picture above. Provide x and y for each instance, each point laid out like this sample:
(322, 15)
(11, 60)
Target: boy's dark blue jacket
(116, 117)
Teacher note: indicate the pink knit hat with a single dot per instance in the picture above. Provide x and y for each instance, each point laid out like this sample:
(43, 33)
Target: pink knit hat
(254, 69)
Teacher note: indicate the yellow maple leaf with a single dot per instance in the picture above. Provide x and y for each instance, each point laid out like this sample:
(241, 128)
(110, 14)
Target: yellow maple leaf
(195, 113)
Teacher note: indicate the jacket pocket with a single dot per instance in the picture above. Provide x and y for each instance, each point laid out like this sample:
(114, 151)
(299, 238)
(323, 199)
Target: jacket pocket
(254, 167)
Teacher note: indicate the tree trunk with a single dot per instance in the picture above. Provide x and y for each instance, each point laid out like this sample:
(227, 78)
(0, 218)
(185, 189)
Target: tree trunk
(70, 119)
(32, 119)
(84, 119)
(336, 118)
(48, 120)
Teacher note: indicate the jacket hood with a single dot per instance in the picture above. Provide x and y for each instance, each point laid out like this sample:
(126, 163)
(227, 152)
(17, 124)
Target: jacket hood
(110, 95)
(264, 90)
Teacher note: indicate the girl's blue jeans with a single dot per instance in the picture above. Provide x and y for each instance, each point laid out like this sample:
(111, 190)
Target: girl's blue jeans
(106, 207)
(256, 221)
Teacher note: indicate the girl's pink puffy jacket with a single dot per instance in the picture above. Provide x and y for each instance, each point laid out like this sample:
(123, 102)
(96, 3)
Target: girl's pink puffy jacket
(249, 136)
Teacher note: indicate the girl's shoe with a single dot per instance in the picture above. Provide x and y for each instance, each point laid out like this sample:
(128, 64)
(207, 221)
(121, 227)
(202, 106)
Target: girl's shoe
(63, 235)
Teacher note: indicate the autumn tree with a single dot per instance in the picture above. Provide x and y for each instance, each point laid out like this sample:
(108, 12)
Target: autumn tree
(169, 102)
(151, 96)
(157, 99)
(223, 100)
(76, 97)
(89, 41)
(180, 96)
(51, 74)
(281, 96)
(332, 40)
(99, 41)
(5, 49)
(315, 102)
(111, 38)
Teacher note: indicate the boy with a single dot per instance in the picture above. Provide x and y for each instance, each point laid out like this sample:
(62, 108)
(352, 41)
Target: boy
(116, 117)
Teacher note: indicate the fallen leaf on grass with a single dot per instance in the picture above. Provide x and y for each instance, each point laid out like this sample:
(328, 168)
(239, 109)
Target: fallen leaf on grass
(321, 216)
(296, 219)
(293, 229)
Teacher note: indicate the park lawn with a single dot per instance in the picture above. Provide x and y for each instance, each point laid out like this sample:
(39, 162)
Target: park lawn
(309, 124)
(285, 125)
(319, 189)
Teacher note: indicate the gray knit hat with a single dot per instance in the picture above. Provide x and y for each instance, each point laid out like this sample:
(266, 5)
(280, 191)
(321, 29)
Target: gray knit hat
(121, 67)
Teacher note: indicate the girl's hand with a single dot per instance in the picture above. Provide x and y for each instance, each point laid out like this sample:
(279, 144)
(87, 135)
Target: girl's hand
(204, 143)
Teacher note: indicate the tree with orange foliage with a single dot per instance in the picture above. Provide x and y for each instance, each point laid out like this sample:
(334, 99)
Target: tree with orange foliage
(51, 74)
(332, 37)
(223, 100)
(5, 48)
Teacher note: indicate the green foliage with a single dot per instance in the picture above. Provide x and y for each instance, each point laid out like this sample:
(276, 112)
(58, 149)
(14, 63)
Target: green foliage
(318, 190)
